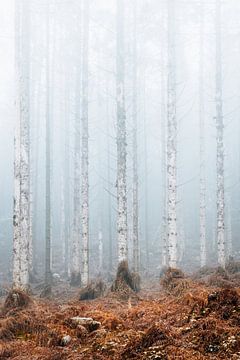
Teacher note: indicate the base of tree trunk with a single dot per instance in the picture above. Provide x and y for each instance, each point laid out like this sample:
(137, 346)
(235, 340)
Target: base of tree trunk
(75, 279)
(174, 282)
(16, 299)
(46, 292)
(125, 279)
(93, 291)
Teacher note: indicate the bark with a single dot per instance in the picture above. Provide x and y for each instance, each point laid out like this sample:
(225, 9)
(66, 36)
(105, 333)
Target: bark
(220, 143)
(164, 237)
(202, 215)
(229, 232)
(75, 249)
(48, 250)
(146, 232)
(121, 140)
(85, 172)
(135, 150)
(67, 189)
(110, 244)
(100, 250)
(21, 220)
(172, 140)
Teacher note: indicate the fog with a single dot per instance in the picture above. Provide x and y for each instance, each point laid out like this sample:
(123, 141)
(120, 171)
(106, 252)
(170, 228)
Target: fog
(56, 68)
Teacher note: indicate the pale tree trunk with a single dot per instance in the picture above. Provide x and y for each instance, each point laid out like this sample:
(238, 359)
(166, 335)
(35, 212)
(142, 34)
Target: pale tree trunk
(48, 249)
(110, 242)
(62, 221)
(75, 248)
(85, 135)
(100, 250)
(202, 195)
(36, 166)
(135, 233)
(172, 140)
(229, 230)
(21, 221)
(67, 187)
(121, 140)
(220, 145)
(164, 237)
(146, 212)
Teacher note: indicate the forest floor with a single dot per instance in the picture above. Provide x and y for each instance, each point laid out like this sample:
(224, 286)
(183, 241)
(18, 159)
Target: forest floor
(181, 318)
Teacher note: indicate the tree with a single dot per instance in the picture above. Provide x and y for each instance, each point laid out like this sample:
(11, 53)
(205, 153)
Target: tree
(135, 149)
(220, 143)
(121, 139)
(85, 172)
(48, 225)
(202, 195)
(21, 217)
(172, 140)
(75, 250)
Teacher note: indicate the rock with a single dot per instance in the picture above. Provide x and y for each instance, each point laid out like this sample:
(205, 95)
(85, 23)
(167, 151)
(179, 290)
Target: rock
(66, 340)
(88, 323)
(81, 331)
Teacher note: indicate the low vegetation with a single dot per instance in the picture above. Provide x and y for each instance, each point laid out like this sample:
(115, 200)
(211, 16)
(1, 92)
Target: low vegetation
(178, 318)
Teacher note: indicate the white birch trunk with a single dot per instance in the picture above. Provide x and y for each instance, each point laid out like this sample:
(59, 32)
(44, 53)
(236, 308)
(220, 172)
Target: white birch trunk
(62, 221)
(67, 187)
(21, 219)
(48, 250)
(100, 250)
(121, 140)
(172, 140)
(229, 232)
(220, 145)
(85, 175)
(146, 232)
(164, 237)
(135, 234)
(110, 242)
(202, 195)
(75, 248)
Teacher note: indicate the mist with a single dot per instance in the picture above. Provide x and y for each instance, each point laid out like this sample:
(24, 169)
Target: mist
(59, 66)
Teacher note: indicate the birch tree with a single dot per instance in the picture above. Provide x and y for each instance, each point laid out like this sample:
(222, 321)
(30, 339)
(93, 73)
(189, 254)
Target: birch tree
(75, 249)
(85, 172)
(48, 250)
(21, 217)
(66, 188)
(220, 142)
(172, 140)
(202, 215)
(164, 238)
(121, 139)
(135, 149)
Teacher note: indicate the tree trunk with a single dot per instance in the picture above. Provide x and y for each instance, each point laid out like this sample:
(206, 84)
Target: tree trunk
(135, 149)
(172, 139)
(220, 145)
(121, 140)
(75, 248)
(48, 250)
(202, 195)
(85, 175)
(21, 221)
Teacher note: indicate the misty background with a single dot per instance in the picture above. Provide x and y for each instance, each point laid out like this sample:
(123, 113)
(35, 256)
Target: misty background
(65, 47)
